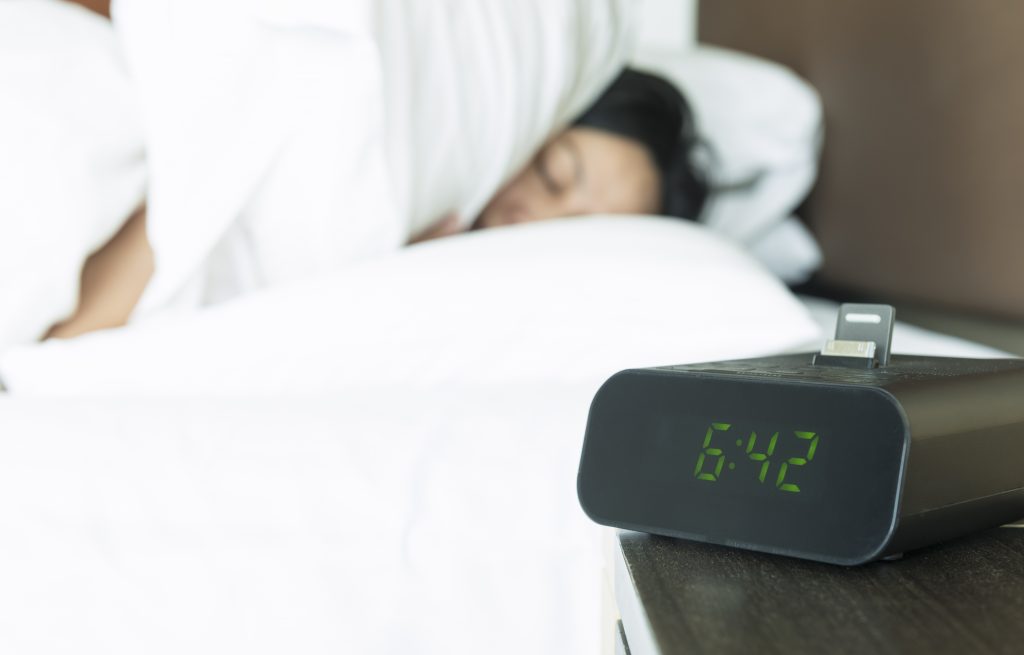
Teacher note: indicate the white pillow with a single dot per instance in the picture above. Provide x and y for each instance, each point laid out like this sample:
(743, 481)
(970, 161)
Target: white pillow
(71, 157)
(328, 132)
(764, 125)
(567, 301)
(473, 89)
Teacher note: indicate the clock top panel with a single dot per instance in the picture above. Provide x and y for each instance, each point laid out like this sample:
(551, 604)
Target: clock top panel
(901, 368)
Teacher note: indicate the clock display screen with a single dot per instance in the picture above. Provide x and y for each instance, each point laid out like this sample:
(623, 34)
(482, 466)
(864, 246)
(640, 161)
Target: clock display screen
(774, 463)
(803, 469)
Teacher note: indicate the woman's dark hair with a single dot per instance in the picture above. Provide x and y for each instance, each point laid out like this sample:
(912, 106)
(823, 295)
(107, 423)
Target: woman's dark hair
(651, 110)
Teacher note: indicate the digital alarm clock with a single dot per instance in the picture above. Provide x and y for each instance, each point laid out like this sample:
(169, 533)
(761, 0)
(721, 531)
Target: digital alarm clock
(843, 456)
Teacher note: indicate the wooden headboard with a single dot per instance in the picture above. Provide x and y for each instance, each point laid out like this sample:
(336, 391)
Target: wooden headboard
(921, 194)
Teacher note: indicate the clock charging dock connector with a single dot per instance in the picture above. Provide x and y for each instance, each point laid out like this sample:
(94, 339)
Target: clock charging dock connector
(863, 337)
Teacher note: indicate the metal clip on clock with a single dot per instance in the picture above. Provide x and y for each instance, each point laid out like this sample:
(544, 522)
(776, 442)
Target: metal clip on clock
(842, 456)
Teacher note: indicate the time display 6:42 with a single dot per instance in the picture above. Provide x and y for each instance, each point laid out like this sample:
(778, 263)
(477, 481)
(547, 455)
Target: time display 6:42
(757, 454)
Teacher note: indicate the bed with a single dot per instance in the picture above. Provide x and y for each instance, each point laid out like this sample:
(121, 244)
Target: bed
(415, 519)
(322, 483)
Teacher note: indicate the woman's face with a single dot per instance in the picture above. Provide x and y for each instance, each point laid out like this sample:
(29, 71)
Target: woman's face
(581, 171)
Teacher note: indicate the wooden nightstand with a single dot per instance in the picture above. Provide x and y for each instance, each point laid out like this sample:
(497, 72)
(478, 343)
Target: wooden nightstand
(673, 596)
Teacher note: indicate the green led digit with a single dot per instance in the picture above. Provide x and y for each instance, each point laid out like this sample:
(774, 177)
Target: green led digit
(698, 471)
(761, 457)
(797, 461)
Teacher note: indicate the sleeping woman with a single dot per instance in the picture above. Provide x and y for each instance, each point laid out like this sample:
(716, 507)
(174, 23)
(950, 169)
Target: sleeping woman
(631, 152)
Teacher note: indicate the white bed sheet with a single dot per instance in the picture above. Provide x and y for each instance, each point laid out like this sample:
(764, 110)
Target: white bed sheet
(424, 519)
(412, 521)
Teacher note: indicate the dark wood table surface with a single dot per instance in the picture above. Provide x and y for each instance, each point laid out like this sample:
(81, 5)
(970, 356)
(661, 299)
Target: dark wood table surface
(966, 596)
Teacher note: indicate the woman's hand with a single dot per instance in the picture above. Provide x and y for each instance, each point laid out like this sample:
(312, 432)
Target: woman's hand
(445, 227)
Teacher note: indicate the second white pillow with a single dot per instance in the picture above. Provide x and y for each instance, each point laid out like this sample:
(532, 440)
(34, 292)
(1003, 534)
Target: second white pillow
(571, 301)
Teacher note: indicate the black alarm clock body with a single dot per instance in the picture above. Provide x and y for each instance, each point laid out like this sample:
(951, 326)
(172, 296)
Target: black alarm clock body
(830, 463)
